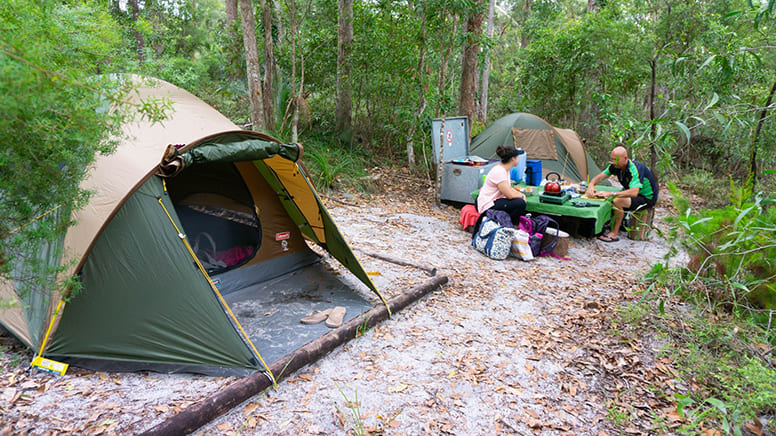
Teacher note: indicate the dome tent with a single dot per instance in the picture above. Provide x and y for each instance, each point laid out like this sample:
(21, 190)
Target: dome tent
(172, 236)
(560, 150)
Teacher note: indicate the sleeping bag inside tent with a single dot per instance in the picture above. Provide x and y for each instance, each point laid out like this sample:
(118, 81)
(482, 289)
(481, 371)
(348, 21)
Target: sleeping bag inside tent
(204, 264)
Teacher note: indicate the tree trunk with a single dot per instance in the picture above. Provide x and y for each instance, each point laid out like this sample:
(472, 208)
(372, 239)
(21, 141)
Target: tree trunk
(483, 112)
(469, 64)
(753, 154)
(139, 43)
(233, 44)
(344, 66)
(279, 41)
(252, 68)
(269, 67)
(445, 63)
(526, 15)
(653, 132)
(421, 93)
(593, 6)
(294, 95)
(438, 164)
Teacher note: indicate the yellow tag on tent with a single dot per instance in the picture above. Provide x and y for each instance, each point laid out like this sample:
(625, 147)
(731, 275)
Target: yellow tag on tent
(49, 365)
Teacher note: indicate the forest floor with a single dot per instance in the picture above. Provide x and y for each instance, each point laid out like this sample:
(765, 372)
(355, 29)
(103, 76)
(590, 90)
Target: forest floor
(505, 347)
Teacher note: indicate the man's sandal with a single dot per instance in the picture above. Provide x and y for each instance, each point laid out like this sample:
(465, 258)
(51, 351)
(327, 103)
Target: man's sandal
(604, 238)
(316, 317)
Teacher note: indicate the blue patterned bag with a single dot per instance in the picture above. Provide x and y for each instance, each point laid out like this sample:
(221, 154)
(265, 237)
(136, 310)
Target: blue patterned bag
(493, 240)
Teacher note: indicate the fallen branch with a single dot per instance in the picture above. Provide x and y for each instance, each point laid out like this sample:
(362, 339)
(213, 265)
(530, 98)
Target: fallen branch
(217, 404)
(430, 271)
(337, 200)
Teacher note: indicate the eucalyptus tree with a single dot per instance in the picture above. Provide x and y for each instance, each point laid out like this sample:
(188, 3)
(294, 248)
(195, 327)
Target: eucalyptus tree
(466, 105)
(344, 65)
(253, 70)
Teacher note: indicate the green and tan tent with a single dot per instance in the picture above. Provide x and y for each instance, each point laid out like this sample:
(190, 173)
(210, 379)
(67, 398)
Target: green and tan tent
(560, 150)
(192, 252)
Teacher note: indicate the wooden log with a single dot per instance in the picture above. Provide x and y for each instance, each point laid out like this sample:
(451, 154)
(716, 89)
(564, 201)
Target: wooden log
(430, 271)
(219, 403)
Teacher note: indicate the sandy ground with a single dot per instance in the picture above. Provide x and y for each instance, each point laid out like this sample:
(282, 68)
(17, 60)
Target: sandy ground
(505, 347)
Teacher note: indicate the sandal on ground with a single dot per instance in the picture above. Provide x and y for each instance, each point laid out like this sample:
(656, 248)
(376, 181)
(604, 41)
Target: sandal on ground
(316, 317)
(605, 238)
(336, 317)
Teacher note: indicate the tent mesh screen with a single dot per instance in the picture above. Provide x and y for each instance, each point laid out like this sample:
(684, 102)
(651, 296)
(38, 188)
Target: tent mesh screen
(216, 210)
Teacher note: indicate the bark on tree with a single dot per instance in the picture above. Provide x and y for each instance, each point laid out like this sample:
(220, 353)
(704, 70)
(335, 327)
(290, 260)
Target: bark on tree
(199, 414)
(483, 107)
(421, 92)
(653, 127)
(279, 37)
(294, 100)
(593, 6)
(253, 73)
(469, 64)
(344, 106)
(442, 84)
(233, 45)
(438, 164)
(753, 154)
(269, 68)
(526, 15)
(139, 43)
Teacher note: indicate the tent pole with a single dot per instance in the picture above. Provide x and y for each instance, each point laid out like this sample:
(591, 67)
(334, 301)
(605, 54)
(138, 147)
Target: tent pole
(221, 402)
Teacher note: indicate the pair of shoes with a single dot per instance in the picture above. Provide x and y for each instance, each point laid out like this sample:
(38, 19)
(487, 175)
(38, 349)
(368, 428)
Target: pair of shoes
(605, 238)
(333, 317)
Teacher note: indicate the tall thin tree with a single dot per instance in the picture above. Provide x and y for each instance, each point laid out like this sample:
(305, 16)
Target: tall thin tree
(446, 45)
(483, 107)
(421, 88)
(269, 67)
(753, 152)
(139, 42)
(344, 66)
(526, 15)
(233, 43)
(466, 104)
(252, 67)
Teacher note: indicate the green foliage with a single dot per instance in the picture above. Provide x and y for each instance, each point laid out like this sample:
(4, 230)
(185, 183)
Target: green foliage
(723, 345)
(54, 117)
(356, 420)
(733, 250)
(333, 169)
(722, 356)
(60, 105)
(706, 185)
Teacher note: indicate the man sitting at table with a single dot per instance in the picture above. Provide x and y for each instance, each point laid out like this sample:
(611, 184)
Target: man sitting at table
(639, 189)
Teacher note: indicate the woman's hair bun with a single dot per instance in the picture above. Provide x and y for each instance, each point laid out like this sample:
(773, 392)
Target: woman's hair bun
(504, 152)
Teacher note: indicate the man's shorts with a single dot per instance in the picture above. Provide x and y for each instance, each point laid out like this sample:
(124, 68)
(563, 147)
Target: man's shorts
(639, 202)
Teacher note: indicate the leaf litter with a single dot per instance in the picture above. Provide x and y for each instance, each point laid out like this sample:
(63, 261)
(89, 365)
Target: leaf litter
(506, 347)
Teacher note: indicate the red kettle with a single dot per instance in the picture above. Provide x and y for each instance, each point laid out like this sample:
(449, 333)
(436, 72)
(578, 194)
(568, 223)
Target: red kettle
(552, 186)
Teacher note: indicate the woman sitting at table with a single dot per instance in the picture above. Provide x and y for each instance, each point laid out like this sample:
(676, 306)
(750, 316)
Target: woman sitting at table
(497, 192)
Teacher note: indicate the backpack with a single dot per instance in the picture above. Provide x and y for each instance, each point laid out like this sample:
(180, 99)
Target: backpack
(493, 240)
(540, 224)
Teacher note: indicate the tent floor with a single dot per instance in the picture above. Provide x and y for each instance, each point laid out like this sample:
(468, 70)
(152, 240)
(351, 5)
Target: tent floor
(270, 312)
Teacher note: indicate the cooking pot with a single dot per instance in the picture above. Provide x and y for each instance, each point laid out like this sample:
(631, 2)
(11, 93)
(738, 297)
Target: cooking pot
(553, 185)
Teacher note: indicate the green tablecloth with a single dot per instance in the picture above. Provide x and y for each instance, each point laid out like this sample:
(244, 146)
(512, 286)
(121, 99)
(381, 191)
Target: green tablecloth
(600, 214)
